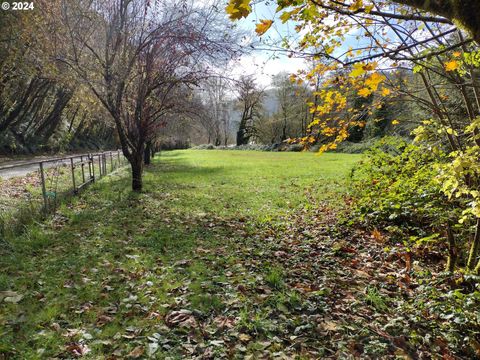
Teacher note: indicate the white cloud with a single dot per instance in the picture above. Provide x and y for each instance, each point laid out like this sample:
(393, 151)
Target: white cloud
(264, 66)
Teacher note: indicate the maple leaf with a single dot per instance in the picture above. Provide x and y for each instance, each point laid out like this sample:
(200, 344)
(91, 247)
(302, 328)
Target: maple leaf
(452, 65)
(365, 92)
(358, 70)
(386, 92)
(373, 81)
(263, 27)
(358, 4)
(237, 9)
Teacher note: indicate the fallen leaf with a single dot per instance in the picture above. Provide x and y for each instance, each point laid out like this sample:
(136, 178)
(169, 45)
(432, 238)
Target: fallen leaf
(136, 353)
(329, 326)
(182, 318)
(78, 350)
(11, 297)
(244, 337)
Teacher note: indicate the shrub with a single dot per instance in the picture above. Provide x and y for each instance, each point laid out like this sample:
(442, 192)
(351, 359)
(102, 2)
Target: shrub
(295, 147)
(396, 187)
(204, 147)
(173, 144)
(356, 148)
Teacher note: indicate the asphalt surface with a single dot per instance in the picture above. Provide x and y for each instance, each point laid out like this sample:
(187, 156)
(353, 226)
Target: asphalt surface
(16, 168)
(12, 169)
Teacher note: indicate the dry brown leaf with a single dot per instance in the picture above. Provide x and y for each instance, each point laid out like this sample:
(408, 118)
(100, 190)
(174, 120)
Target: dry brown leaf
(244, 337)
(182, 318)
(329, 326)
(137, 352)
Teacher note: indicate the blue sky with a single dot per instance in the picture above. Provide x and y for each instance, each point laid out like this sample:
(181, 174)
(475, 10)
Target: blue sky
(265, 64)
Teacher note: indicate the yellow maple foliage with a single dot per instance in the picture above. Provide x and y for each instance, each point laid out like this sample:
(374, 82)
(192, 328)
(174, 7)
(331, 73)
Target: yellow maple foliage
(356, 5)
(263, 26)
(374, 80)
(358, 70)
(237, 9)
(452, 65)
(364, 92)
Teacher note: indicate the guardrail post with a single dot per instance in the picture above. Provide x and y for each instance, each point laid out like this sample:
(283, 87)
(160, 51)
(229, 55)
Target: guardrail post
(92, 175)
(44, 188)
(111, 162)
(83, 170)
(100, 166)
(73, 176)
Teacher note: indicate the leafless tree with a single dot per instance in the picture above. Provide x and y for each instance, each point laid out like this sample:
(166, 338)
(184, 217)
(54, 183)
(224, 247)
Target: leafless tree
(134, 55)
(250, 99)
(215, 117)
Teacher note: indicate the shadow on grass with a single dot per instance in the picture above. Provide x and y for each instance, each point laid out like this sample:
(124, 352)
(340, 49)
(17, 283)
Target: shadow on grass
(181, 166)
(107, 238)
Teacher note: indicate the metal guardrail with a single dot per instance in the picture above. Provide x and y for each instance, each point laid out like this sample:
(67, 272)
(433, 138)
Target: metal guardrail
(56, 183)
(88, 161)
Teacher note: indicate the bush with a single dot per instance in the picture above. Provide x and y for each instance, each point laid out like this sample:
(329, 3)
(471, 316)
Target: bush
(356, 148)
(396, 187)
(204, 147)
(173, 144)
(295, 147)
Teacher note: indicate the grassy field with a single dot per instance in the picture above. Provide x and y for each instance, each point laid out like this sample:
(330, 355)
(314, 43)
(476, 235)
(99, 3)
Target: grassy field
(100, 276)
(226, 254)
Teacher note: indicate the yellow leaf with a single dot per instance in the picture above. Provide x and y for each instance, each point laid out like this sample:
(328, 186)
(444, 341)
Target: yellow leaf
(357, 71)
(457, 54)
(361, 68)
(365, 92)
(238, 9)
(374, 80)
(358, 4)
(395, 122)
(370, 66)
(263, 26)
(386, 92)
(368, 9)
(451, 65)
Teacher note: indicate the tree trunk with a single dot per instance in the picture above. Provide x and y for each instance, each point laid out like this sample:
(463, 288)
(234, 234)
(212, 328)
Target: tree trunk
(452, 250)
(137, 172)
(242, 137)
(472, 256)
(284, 130)
(147, 153)
(467, 12)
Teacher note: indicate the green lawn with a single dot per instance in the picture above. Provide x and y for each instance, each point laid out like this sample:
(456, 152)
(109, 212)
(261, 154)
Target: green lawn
(226, 254)
(247, 183)
(100, 276)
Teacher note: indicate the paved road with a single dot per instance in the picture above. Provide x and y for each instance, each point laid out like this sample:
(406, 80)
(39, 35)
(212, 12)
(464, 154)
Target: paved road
(10, 169)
